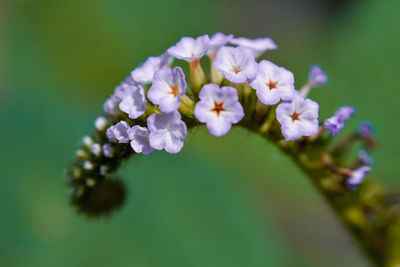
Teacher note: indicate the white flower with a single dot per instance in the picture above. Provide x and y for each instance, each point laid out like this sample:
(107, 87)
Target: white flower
(298, 117)
(237, 64)
(118, 132)
(273, 83)
(217, 41)
(139, 137)
(167, 89)
(133, 101)
(167, 131)
(219, 108)
(145, 72)
(258, 45)
(189, 48)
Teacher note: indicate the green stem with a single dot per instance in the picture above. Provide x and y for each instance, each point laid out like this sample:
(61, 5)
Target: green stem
(371, 213)
(368, 214)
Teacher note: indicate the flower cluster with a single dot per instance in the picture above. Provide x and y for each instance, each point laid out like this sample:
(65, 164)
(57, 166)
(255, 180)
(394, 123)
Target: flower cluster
(153, 108)
(217, 101)
(166, 87)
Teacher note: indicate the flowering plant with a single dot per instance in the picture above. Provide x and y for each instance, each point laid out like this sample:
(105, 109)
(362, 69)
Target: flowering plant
(153, 108)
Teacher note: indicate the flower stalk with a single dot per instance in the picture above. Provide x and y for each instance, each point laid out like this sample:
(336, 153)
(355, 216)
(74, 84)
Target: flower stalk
(152, 110)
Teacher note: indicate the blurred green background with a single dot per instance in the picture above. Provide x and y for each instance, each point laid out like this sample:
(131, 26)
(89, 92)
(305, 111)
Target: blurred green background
(232, 201)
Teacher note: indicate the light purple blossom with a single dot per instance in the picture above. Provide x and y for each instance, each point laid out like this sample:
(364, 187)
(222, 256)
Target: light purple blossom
(108, 150)
(118, 132)
(167, 89)
(133, 101)
(167, 131)
(273, 83)
(298, 117)
(219, 108)
(111, 104)
(145, 72)
(189, 48)
(120, 92)
(124, 89)
(336, 123)
(365, 157)
(357, 177)
(110, 134)
(237, 64)
(139, 137)
(366, 128)
(317, 76)
(217, 41)
(258, 45)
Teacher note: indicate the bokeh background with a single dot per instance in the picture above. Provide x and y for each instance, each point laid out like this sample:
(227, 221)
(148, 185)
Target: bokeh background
(232, 201)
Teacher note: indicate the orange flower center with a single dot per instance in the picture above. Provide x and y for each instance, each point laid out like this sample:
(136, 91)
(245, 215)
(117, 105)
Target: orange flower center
(272, 84)
(174, 90)
(295, 116)
(218, 108)
(236, 69)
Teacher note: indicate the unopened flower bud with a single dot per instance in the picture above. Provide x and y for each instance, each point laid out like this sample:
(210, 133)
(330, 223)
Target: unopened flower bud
(100, 123)
(88, 141)
(87, 165)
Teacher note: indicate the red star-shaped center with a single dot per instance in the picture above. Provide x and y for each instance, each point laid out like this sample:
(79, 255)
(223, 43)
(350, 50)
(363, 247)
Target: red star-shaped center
(174, 90)
(218, 108)
(272, 85)
(236, 69)
(295, 116)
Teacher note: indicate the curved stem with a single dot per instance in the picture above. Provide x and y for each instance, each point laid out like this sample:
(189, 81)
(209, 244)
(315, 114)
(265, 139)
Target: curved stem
(371, 213)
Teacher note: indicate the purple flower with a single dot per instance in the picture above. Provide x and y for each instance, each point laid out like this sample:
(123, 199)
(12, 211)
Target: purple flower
(145, 72)
(168, 88)
(139, 137)
(108, 151)
(366, 128)
(118, 132)
(365, 157)
(336, 123)
(110, 134)
(123, 90)
(258, 46)
(189, 48)
(167, 131)
(317, 76)
(357, 177)
(217, 41)
(111, 104)
(237, 64)
(273, 83)
(133, 101)
(219, 108)
(298, 117)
